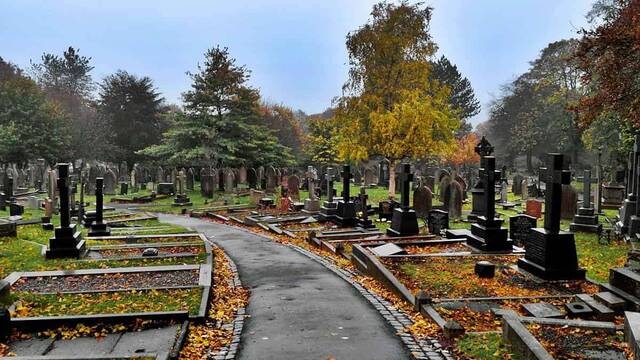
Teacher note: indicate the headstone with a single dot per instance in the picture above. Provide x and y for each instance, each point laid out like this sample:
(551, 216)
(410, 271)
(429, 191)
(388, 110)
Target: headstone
(438, 221)
(533, 208)
(229, 181)
(516, 187)
(271, 179)
(181, 198)
(569, 202)
(629, 206)
(293, 187)
(110, 181)
(422, 201)
(311, 204)
(488, 234)
(66, 242)
(369, 177)
(98, 227)
(329, 207)
(404, 221)
(504, 195)
(453, 199)
(207, 182)
(524, 186)
(252, 178)
(191, 179)
(346, 211)
(549, 252)
(166, 189)
(520, 227)
(585, 219)
(364, 221)
(383, 173)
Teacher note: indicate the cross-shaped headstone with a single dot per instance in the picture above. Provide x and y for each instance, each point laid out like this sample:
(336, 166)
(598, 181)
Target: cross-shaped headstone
(634, 173)
(406, 177)
(329, 178)
(363, 202)
(554, 177)
(586, 190)
(63, 187)
(99, 200)
(489, 176)
(346, 181)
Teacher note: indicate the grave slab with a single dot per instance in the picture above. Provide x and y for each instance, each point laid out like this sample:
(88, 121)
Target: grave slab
(388, 249)
(542, 310)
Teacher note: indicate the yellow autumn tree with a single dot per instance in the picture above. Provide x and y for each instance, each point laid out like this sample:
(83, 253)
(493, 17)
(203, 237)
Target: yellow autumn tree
(391, 107)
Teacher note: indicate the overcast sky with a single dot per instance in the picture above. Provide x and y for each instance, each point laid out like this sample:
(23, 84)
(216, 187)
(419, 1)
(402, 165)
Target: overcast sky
(295, 48)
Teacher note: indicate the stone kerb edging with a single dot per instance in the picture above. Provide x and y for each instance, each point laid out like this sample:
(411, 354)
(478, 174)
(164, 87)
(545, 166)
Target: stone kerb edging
(230, 351)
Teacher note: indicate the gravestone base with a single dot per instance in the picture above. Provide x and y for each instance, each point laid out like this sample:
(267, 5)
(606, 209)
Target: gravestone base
(312, 205)
(366, 224)
(634, 225)
(328, 210)
(586, 221)
(99, 229)
(182, 200)
(66, 243)
(403, 223)
(489, 236)
(346, 213)
(551, 256)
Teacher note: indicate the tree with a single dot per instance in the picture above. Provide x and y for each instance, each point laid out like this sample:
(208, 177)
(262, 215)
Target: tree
(67, 81)
(285, 126)
(465, 152)
(391, 107)
(321, 141)
(462, 97)
(130, 105)
(221, 122)
(9, 71)
(30, 126)
(609, 56)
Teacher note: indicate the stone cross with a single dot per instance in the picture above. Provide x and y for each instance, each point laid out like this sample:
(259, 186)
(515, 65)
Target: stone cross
(406, 177)
(489, 176)
(329, 177)
(99, 199)
(63, 188)
(363, 203)
(554, 177)
(586, 190)
(346, 182)
(599, 181)
(312, 175)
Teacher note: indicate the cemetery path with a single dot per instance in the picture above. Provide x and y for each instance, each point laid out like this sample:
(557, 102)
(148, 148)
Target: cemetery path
(298, 308)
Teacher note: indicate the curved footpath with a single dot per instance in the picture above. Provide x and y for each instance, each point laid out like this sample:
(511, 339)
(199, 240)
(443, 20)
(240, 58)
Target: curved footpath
(298, 308)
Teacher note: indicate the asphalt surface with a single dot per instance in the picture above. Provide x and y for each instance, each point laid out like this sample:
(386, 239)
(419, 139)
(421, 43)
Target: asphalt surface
(298, 308)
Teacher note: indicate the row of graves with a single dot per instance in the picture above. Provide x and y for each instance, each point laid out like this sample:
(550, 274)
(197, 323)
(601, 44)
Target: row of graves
(110, 286)
(478, 281)
(524, 282)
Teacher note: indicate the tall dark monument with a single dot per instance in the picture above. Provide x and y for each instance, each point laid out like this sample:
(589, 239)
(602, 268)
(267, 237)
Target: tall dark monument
(67, 241)
(488, 234)
(98, 227)
(484, 148)
(629, 206)
(586, 219)
(329, 207)
(549, 252)
(346, 212)
(404, 221)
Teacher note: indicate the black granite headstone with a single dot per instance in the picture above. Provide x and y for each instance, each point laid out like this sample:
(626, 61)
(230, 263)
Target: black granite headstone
(67, 241)
(404, 221)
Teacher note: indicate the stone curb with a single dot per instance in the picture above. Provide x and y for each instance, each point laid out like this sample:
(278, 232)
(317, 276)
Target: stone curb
(229, 352)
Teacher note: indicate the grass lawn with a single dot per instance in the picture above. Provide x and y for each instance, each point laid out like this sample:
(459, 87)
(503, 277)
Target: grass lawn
(484, 346)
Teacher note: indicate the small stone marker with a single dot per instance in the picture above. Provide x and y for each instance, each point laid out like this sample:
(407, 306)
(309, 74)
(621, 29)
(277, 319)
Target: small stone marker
(603, 313)
(520, 227)
(578, 309)
(611, 300)
(388, 249)
(150, 252)
(534, 208)
(542, 310)
(485, 269)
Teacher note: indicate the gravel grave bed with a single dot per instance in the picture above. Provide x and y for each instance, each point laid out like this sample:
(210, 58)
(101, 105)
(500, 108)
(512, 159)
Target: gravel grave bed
(108, 282)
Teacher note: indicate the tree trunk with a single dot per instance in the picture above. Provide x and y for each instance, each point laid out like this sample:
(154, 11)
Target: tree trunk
(392, 179)
(529, 162)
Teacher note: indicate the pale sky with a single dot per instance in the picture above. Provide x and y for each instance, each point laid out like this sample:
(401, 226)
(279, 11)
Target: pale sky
(295, 48)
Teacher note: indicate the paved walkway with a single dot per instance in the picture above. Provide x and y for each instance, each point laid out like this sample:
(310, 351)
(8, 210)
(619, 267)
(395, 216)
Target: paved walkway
(299, 309)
